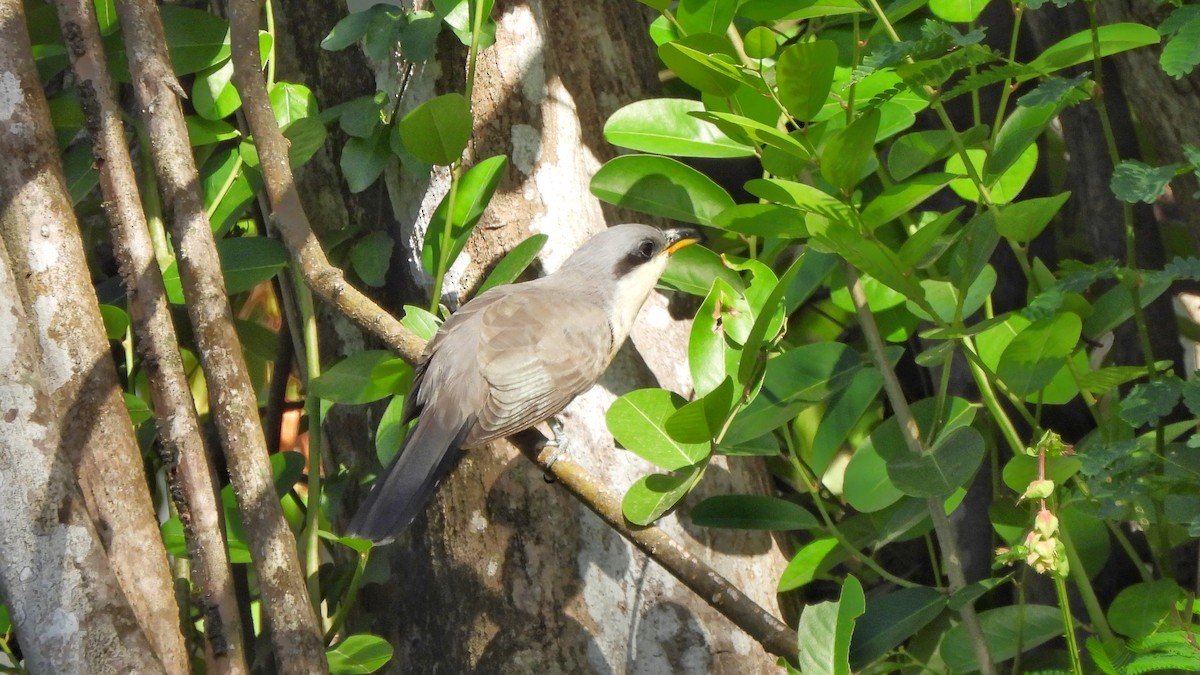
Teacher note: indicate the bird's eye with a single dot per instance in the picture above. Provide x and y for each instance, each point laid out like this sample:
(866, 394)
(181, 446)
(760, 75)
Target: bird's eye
(646, 249)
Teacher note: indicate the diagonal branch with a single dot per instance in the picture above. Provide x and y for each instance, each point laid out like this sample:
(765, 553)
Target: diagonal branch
(720, 594)
(189, 472)
(326, 281)
(295, 636)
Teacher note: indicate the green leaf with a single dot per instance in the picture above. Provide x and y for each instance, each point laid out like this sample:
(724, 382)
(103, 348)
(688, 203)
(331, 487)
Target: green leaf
(759, 43)
(945, 299)
(360, 117)
(1138, 610)
(1134, 181)
(437, 131)
(292, 102)
(207, 132)
(1149, 402)
(781, 10)
(842, 414)
(890, 620)
(1112, 38)
(752, 512)
(351, 29)
(1003, 188)
(806, 564)
(869, 255)
(769, 320)
(693, 270)
(357, 654)
(1182, 51)
(692, 59)
(1018, 132)
(138, 410)
(196, 39)
(514, 263)
(663, 126)
(116, 321)
(867, 485)
(849, 155)
(949, 465)
(706, 344)
(418, 38)
(1006, 630)
(705, 16)
(1023, 221)
(1021, 470)
(213, 93)
(925, 246)
(763, 220)
(392, 430)
(475, 190)
(660, 186)
(305, 136)
(650, 497)
(827, 628)
(748, 131)
(957, 11)
(801, 196)
(1037, 353)
(351, 380)
(793, 381)
(637, 421)
(804, 75)
(913, 152)
(364, 159)
(379, 42)
(702, 419)
(903, 198)
(371, 257)
(245, 263)
(421, 322)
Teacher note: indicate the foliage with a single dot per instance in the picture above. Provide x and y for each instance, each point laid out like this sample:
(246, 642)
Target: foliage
(873, 216)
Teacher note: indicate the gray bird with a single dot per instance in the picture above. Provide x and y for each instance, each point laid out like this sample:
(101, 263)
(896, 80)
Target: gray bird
(514, 357)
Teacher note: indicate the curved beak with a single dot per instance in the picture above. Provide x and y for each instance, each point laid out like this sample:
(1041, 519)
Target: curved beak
(681, 237)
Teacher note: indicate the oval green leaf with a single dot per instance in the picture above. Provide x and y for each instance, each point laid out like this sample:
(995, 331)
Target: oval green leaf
(437, 131)
(660, 186)
(752, 512)
(638, 420)
(663, 126)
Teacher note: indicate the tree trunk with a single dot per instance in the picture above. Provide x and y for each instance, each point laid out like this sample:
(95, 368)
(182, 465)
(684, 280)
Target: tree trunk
(505, 573)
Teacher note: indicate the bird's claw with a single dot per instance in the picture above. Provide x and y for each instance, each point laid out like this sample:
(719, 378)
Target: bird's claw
(559, 443)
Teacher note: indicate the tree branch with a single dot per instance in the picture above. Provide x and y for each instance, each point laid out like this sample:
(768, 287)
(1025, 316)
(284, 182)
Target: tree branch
(326, 281)
(720, 594)
(189, 472)
(296, 638)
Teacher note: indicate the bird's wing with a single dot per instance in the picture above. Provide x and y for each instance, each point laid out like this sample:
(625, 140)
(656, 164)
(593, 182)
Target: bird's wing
(537, 352)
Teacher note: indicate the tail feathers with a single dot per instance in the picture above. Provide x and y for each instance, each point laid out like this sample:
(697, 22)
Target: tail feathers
(404, 487)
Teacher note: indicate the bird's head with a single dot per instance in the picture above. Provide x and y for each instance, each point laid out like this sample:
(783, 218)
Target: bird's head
(623, 263)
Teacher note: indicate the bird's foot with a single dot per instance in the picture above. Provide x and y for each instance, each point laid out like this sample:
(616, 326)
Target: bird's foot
(559, 443)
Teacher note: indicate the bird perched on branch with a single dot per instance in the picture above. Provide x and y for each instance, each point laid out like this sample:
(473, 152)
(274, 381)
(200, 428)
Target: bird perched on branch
(514, 357)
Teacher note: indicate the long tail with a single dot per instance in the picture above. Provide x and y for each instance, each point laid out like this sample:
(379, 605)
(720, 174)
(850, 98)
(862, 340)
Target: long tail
(401, 491)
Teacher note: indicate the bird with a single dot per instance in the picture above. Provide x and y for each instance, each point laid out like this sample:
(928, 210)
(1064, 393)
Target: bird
(514, 357)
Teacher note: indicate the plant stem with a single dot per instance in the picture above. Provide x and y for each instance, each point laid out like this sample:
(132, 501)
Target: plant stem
(312, 410)
(1084, 585)
(1060, 589)
(348, 599)
(912, 437)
